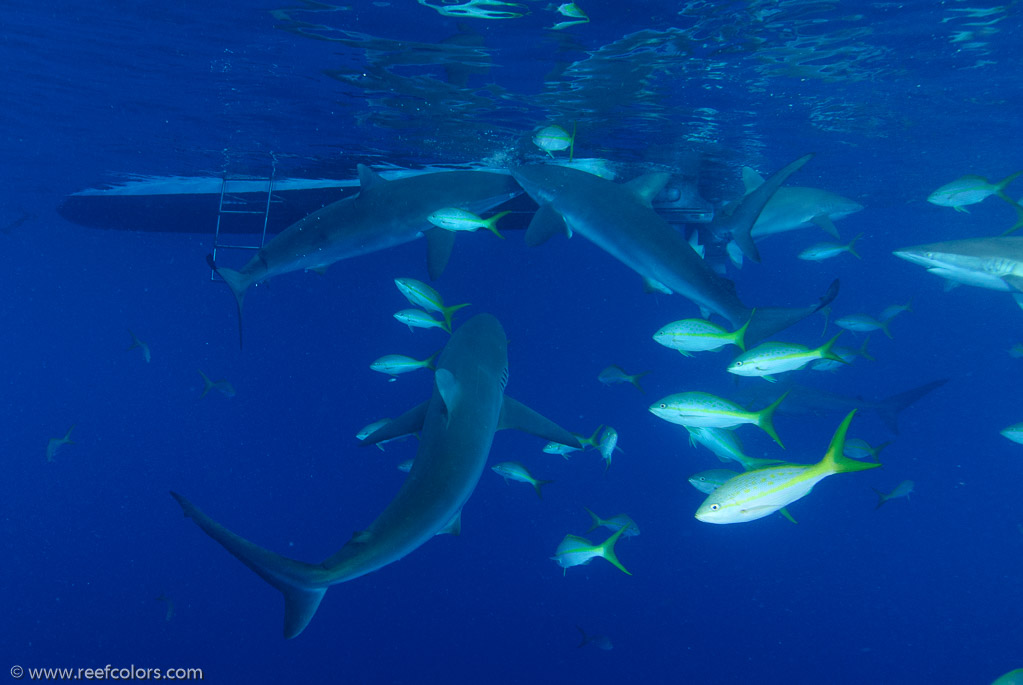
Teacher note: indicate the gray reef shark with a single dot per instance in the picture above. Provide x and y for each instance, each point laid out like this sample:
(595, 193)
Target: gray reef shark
(382, 215)
(620, 220)
(792, 207)
(456, 427)
(992, 263)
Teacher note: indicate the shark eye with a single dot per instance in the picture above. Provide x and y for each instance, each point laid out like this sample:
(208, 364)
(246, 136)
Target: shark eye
(715, 507)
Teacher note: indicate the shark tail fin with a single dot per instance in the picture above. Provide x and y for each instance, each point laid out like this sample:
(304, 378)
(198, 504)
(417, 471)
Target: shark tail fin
(890, 408)
(292, 578)
(766, 321)
(238, 285)
(607, 550)
(539, 484)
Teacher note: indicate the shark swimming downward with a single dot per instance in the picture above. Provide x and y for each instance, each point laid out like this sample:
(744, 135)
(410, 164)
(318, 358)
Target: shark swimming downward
(457, 426)
(619, 219)
(383, 214)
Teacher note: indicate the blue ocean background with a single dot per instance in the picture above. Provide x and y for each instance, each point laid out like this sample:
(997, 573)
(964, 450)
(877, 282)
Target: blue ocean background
(894, 99)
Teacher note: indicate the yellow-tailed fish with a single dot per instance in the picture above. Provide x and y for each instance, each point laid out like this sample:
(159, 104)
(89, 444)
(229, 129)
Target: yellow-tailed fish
(614, 524)
(857, 448)
(223, 386)
(901, 490)
(710, 411)
(513, 470)
(1016, 351)
(822, 251)
(577, 551)
(615, 374)
(417, 318)
(455, 219)
(891, 311)
(861, 323)
(606, 446)
(1013, 432)
(557, 448)
(755, 494)
(393, 364)
(712, 479)
(847, 354)
(599, 641)
(771, 358)
(969, 190)
(422, 295)
(699, 335)
(54, 444)
(725, 444)
(135, 342)
(553, 139)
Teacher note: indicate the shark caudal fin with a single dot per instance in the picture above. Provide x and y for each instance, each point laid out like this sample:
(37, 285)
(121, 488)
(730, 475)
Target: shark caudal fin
(292, 578)
(766, 321)
(889, 408)
(739, 225)
(238, 284)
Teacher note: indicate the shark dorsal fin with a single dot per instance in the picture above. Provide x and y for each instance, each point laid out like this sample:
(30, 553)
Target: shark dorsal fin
(751, 180)
(545, 223)
(447, 386)
(369, 178)
(647, 186)
(453, 527)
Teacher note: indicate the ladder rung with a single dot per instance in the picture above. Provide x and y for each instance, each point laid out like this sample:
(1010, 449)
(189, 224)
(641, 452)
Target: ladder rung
(222, 246)
(242, 211)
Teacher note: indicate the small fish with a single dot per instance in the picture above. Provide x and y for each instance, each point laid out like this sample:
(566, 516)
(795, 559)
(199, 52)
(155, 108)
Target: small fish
(891, 311)
(54, 444)
(577, 551)
(417, 318)
(709, 481)
(572, 10)
(901, 490)
(822, 251)
(614, 524)
(394, 364)
(513, 470)
(454, 219)
(422, 295)
(607, 445)
(615, 374)
(557, 448)
(726, 446)
(406, 465)
(222, 386)
(553, 139)
(699, 335)
(1013, 432)
(1016, 351)
(169, 614)
(857, 448)
(366, 431)
(847, 354)
(710, 411)
(861, 323)
(135, 342)
(1014, 677)
(755, 494)
(770, 358)
(969, 190)
(599, 641)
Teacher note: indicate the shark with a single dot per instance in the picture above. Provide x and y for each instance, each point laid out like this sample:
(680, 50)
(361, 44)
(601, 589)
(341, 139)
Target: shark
(619, 219)
(992, 263)
(792, 207)
(383, 214)
(456, 426)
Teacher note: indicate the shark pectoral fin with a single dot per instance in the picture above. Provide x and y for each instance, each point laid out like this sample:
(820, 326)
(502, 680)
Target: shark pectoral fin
(438, 251)
(406, 424)
(545, 223)
(447, 386)
(734, 253)
(647, 186)
(1014, 282)
(516, 415)
(748, 210)
(751, 180)
(453, 527)
(824, 222)
(296, 580)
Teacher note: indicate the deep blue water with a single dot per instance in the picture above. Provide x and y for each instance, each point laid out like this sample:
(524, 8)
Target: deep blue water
(895, 99)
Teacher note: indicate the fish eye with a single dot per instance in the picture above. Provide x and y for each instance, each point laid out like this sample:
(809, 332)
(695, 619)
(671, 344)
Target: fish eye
(715, 507)
(738, 363)
(663, 405)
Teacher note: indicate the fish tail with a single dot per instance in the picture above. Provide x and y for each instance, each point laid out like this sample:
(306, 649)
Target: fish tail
(592, 440)
(765, 419)
(67, 436)
(890, 407)
(884, 327)
(739, 336)
(851, 245)
(571, 144)
(1016, 206)
(826, 352)
(1001, 185)
(834, 460)
(635, 380)
(539, 484)
(607, 550)
(491, 223)
(295, 579)
(585, 638)
(878, 449)
(881, 498)
(863, 350)
(208, 384)
(597, 523)
(238, 283)
(448, 312)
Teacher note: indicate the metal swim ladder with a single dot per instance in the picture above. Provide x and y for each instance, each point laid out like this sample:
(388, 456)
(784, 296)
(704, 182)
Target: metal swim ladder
(234, 200)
